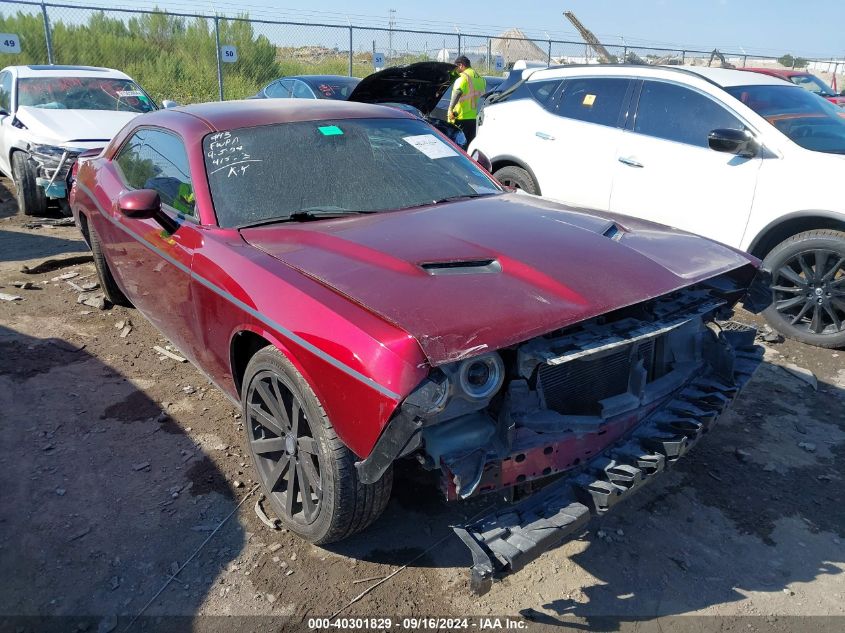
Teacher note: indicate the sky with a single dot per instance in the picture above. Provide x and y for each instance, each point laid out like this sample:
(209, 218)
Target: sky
(812, 28)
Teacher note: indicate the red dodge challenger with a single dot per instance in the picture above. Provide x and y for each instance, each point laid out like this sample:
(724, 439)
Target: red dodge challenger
(366, 292)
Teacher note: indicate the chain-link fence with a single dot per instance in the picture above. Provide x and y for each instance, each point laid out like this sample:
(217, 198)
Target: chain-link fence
(189, 58)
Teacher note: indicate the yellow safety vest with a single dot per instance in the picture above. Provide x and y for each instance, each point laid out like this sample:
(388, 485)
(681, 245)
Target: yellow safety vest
(472, 86)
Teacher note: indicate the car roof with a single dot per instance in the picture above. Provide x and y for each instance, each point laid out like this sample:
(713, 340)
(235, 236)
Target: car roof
(66, 71)
(228, 115)
(723, 77)
(780, 72)
(321, 77)
(728, 77)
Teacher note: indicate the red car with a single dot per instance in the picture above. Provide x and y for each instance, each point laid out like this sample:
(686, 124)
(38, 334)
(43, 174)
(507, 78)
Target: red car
(804, 79)
(367, 292)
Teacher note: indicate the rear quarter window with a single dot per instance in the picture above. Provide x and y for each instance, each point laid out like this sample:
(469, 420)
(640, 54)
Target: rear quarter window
(543, 92)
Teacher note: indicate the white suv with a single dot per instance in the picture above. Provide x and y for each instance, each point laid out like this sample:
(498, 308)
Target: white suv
(745, 159)
(51, 114)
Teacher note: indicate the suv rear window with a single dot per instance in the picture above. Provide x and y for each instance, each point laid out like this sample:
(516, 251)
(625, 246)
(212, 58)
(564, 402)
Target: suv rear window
(593, 99)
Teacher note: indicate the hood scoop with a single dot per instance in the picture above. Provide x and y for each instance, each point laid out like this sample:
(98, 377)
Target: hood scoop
(614, 232)
(466, 267)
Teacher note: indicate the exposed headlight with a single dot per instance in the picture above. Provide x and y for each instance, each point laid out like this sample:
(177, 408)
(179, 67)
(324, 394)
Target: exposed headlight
(51, 155)
(481, 377)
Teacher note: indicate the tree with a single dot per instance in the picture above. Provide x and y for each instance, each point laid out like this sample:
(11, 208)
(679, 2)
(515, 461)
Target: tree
(792, 62)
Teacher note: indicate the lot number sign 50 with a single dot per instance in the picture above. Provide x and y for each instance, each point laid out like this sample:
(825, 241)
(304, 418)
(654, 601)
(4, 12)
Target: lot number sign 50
(9, 43)
(229, 54)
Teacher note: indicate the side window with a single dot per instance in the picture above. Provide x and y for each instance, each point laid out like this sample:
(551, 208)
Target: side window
(157, 160)
(542, 92)
(676, 113)
(6, 91)
(276, 91)
(287, 88)
(302, 91)
(593, 99)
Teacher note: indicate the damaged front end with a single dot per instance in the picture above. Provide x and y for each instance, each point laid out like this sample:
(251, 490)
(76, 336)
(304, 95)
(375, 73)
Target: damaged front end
(569, 423)
(53, 167)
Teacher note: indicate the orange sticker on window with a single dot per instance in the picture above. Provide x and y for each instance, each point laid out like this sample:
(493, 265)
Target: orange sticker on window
(589, 100)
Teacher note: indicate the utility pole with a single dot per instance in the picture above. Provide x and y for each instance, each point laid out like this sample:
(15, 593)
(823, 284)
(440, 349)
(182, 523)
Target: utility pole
(391, 22)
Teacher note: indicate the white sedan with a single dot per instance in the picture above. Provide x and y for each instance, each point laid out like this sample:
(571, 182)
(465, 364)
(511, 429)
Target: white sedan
(51, 114)
(745, 159)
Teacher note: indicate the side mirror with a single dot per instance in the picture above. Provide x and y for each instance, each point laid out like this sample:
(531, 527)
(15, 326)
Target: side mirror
(167, 104)
(145, 204)
(141, 204)
(482, 160)
(739, 142)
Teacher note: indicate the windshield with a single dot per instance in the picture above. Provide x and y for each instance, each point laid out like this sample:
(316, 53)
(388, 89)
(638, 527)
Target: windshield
(811, 121)
(335, 88)
(813, 84)
(83, 93)
(323, 168)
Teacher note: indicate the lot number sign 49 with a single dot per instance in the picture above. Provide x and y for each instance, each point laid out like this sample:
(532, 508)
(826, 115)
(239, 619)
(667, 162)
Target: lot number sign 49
(9, 43)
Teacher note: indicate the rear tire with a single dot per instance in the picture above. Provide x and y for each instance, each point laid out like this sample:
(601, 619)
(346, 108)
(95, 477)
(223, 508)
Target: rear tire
(107, 282)
(31, 198)
(294, 447)
(808, 288)
(518, 178)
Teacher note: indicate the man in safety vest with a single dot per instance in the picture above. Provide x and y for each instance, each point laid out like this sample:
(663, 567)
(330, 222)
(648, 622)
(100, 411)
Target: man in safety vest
(466, 93)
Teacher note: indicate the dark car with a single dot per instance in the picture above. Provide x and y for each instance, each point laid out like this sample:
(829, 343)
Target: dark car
(309, 87)
(365, 293)
(416, 88)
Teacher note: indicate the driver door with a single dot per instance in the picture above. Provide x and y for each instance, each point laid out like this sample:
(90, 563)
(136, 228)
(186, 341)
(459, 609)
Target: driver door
(665, 172)
(153, 266)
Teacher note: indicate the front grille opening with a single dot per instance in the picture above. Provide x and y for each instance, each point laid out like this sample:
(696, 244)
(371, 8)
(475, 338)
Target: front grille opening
(578, 387)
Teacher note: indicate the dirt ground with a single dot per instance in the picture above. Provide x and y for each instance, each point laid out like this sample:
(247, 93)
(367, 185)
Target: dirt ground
(120, 467)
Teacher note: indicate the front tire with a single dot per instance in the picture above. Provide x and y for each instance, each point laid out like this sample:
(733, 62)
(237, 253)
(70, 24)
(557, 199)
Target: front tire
(307, 474)
(808, 288)
(518, 178)
(31, 198)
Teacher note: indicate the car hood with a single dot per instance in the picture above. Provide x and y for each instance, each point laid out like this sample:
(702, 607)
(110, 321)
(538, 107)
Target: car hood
(473, 276)
(420, 85)
(65, 126)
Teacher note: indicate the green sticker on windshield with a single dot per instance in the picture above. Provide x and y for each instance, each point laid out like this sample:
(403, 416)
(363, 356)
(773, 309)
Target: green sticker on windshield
(330, 130)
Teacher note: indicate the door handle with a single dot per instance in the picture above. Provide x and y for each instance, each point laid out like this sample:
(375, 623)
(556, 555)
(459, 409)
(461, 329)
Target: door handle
(544, 136)
(630, 162)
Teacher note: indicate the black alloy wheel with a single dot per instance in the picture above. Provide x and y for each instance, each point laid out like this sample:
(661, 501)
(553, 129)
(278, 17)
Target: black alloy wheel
(809, 291)
(808, 288)
(283, 447)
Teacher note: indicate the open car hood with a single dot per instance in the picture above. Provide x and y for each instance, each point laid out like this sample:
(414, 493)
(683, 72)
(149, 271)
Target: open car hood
(420, 85)
(468, 277)
(64, 126)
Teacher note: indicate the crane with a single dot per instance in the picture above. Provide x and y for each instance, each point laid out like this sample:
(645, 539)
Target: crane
(591, 40)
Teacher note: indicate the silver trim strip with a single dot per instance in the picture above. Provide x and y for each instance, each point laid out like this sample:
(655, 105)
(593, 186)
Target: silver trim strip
(298, 340)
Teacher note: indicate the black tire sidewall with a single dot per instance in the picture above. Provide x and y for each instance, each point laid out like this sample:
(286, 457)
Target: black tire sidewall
(519, 176)
(31, 200)
(775, 260)
(269, 358)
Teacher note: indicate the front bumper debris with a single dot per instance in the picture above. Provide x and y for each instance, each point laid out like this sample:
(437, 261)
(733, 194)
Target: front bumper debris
(510, 537)
(54, 165)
